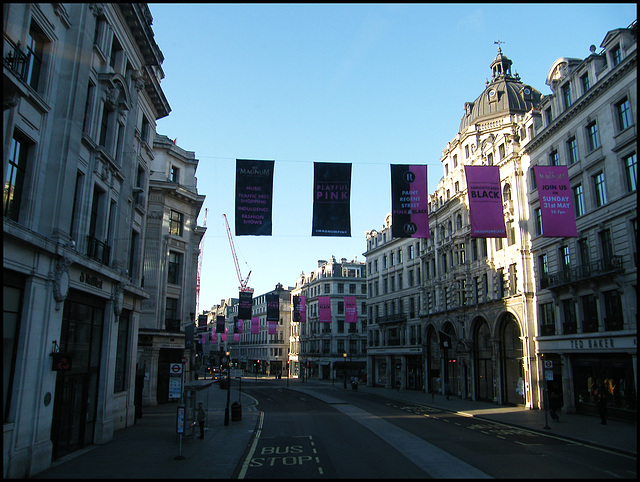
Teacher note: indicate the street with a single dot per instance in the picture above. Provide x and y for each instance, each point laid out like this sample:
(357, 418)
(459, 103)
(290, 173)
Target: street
(336, 433)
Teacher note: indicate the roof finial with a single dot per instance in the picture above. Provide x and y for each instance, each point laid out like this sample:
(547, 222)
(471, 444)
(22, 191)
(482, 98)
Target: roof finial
(498, 42)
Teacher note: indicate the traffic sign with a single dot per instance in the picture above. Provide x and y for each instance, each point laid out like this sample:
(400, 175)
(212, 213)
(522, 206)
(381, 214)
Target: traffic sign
(548, 364)
(175, 368)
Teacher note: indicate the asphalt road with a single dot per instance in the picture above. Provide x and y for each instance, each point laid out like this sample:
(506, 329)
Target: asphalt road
(357, 435)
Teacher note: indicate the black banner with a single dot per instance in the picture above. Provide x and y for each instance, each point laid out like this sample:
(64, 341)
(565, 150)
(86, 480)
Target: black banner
(254, 196)
(331, 199)
(273, 307)
(296, 309)
(220, 324)
(244, 305)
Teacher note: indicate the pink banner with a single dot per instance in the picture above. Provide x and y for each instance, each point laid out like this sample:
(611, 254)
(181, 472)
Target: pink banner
(485, 202)
(255, 325)
(214, 339)
(272, 327)
(556, 205)
(409, 201)
(223, 336)
(236, 337)
(324, 309)
(203, 340)
(350, 309)
(239, 325)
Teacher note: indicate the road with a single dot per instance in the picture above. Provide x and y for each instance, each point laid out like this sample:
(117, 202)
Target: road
(325, 433)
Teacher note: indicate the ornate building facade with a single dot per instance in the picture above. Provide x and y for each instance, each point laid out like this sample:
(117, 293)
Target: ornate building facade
(81, 85)
(586, 287)
(332, 350)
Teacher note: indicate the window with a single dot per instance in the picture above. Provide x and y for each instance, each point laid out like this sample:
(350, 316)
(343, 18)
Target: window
(104, 126)
(593, 136)
(498, 244)
(14, 182)
(583, 249)
(175, 174)
(392, 258)
(410, 251)
(616, 55)
(570, 320)
(501, 151)
(340, 287)
(456, 187)
(121, 352)
(327, 288)
(613, 319)
(76, 202)
(133, 256)
(572, 150)
(565, 257)
(548, 116)
(171, 317)
(116, 55)
(511, 233)
(86, 123)
(623, 113)
(174, 267)
(538, 220)
(543, 264)
(446, 169)
(176, 221)
(455, 160)
(584, 80)
(547, 319)
(606, 246)
(490, 159)
(631, 171)
(600, 189)
(400, 256)
(459, 221)
(566, 95)
(35, 52)
(578, 200)
(144, 131)
(554, 159)
(466, 152)
(474, 249)
(590, 314)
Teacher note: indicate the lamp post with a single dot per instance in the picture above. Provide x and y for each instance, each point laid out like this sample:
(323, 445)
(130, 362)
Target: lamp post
(344, 369)
(226, 410)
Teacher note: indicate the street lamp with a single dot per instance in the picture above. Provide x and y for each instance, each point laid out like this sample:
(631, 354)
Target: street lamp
(226, 410)
(344, 369)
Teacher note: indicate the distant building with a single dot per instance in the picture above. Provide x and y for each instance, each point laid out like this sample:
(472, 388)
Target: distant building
(586, 287)
(167, 318)
(333, 350)
(81, 94)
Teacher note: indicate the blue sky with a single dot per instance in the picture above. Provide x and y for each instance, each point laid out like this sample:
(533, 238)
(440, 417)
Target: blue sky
(369, 84)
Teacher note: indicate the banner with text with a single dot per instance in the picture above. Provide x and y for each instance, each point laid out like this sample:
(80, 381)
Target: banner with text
(556, 206)
(299, 312)
(350, 309)
(272, 327)
(254, 196)
(273, 307)
(485, 202)
(220, 324)
(324, 309)
(331, 199)
(409, 201)
(244, 305)
(255, 325)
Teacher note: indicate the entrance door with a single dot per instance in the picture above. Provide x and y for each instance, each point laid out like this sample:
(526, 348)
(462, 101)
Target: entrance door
(484, 372)
(513, 371)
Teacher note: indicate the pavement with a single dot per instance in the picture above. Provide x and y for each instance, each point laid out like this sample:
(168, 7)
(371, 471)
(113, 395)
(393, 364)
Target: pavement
(152, 449)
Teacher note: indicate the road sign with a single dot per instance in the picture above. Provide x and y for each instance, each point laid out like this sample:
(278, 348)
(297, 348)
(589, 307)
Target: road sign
(548, 364)
(175, 368)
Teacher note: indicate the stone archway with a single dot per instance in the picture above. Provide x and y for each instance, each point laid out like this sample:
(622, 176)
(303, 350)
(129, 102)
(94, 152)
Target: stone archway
(511, 367)
(432, 356)
(483, 361)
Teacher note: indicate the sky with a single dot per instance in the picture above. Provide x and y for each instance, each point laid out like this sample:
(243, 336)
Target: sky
(366, 84)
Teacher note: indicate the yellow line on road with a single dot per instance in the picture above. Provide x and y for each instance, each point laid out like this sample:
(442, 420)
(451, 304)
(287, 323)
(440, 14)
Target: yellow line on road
(247, 461)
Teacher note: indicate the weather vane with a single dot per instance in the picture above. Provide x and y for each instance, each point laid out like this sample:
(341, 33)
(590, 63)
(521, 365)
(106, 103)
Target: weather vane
(498, 42)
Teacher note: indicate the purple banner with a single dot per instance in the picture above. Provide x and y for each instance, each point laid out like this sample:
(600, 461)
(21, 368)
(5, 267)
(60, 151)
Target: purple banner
(255, 325)
(331, 199)
(272, 327)
(485, 202)
(236, 337)
(324, 309)
(556, 205)
(254, 195)
(239, 324)
(350, 309)
(409, 201)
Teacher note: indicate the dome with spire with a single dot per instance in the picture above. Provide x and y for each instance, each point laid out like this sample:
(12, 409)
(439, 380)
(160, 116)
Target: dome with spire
(504, 94)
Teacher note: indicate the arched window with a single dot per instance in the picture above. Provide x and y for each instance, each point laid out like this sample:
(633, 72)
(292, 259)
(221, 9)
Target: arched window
(506, 193)
(459, 221)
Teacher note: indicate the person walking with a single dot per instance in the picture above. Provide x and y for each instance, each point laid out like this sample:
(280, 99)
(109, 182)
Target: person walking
(202, 416)
(555, 405)
(600, 394)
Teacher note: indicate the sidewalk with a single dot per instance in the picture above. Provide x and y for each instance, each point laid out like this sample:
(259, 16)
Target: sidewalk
(149, 448)
(616, 435)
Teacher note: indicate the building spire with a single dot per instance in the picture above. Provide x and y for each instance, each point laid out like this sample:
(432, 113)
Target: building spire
(498, 42)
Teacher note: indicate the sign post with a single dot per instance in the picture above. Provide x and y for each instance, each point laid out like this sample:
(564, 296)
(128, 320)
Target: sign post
(176, 382)
(548, 375)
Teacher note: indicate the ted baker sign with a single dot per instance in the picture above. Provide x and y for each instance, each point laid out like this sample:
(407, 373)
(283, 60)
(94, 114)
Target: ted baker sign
(592, 343)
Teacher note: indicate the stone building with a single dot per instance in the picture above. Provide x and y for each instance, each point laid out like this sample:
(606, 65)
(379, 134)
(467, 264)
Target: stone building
(336, 349)
(167, 318)
(586, 286)
(81, 95)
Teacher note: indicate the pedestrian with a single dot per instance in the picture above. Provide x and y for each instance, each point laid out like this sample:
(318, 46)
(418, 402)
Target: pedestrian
(202, 416)
(398, 384)
(600, 394)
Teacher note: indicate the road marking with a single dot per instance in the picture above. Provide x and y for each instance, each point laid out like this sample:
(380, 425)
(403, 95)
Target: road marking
(245, 465)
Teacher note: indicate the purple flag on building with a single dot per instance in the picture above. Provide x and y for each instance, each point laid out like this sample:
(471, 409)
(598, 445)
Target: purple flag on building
(324, 309)
(272, 327)
(409, 201)
(255, 325)
(485, 202)
(556, 206)
(350, 309)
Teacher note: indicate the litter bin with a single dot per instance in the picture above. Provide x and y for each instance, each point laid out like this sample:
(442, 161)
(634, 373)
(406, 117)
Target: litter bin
(236, 411)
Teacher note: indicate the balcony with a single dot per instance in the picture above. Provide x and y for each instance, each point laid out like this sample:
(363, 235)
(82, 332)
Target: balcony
(601, 267)
(396, 318)
(18, 62)
(98, 250)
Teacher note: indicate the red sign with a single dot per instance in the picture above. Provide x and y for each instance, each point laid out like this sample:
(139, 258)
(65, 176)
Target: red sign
(175, 368)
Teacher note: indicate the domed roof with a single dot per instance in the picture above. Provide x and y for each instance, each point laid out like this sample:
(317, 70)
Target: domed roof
(503, 95)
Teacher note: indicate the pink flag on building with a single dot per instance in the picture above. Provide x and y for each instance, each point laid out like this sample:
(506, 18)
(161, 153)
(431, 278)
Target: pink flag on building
(239, 324)
(324, 309)
(203, 339)
(223, 336)
(272, 327)
(485, 202)
(350, 309)
(236, 337)
(556, 206)
(255, 325)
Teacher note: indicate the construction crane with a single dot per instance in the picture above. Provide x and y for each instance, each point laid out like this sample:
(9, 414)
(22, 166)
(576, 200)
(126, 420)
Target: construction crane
(201, 249)
(244, 282)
